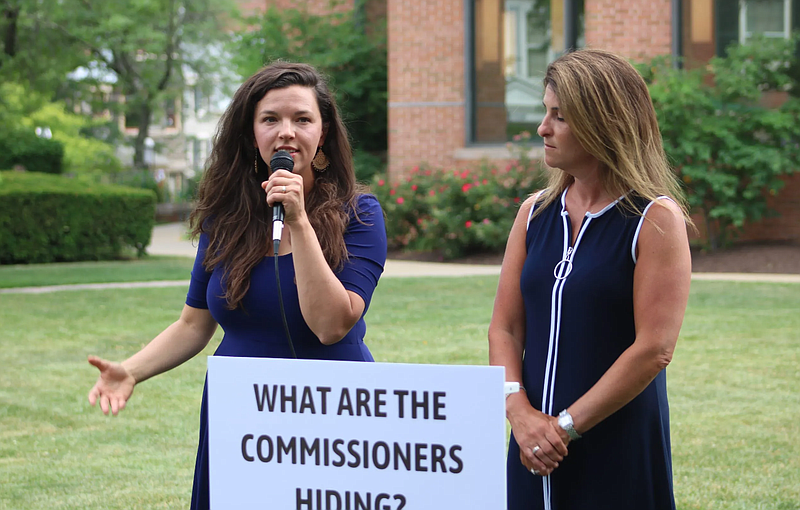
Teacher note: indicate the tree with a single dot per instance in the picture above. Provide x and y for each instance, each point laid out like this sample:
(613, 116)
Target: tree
(141, 46)
(31, 52)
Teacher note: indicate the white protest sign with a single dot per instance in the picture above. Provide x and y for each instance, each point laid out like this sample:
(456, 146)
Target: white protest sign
(337, 435)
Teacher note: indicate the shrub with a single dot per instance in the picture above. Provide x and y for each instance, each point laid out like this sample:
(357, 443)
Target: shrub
(74, 148)
(729, 150)
(28, 150)
(46, 218)
(461, 211)
(367, 165)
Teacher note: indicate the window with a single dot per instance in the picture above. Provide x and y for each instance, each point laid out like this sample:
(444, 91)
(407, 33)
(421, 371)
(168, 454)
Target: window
(514, 42)
(169, 113)
(736, 21)
(772, 18)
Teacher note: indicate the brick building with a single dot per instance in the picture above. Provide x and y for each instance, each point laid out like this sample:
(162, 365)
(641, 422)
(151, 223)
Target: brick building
(465, 75)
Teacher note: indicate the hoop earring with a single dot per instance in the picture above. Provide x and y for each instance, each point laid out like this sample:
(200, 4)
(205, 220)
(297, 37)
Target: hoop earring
(320, 161)
(255, 166)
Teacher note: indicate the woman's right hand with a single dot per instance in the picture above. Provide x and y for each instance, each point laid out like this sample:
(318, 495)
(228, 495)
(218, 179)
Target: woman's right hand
(114, 386)
(532, 429)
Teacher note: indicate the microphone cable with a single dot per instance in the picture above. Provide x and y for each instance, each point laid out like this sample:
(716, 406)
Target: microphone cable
(276, 244)
(281, 160)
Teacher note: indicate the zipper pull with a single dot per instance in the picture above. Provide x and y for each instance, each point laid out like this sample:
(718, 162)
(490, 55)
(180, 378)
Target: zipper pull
(564, 267)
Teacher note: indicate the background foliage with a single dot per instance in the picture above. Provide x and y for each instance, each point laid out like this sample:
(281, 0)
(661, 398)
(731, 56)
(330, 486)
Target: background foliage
(461, 211)
(48, 218)
(729, 145)
(80, 153)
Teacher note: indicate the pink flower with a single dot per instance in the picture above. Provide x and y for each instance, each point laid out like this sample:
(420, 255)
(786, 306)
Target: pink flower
(516, 200)
(465, 174)
(468, 223)
(485, 181)
(381, 182)
(414, 187)
(415, 169)
(419, 221)
(400, 200)
(392, 191)
(466, 187)
(486, 221)
(431, 192)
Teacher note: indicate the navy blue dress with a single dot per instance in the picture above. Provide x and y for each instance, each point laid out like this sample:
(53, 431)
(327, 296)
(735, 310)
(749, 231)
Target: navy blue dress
(257, 331)
(579, 319)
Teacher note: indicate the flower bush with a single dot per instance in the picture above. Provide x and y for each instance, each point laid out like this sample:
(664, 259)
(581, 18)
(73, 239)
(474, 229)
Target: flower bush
(458, 212)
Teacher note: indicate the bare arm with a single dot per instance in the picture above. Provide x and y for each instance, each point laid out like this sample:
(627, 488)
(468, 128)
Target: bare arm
(506, 347)
(327, 307)
(660, 293)
(181, 341)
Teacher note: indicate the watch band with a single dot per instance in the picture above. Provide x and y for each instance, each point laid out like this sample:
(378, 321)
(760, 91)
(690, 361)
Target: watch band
(565, 422)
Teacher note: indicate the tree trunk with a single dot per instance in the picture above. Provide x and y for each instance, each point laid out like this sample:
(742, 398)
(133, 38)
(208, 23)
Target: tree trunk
(144, 112)
(10, 36)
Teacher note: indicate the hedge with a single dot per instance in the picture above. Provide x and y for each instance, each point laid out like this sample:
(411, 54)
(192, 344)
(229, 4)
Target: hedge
(48, 218)
(33, 153)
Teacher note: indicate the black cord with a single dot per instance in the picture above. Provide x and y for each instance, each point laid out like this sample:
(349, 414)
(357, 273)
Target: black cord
(276, 244)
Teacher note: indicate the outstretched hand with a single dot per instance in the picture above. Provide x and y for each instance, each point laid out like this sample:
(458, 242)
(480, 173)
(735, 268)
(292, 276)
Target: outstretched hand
(114, 386)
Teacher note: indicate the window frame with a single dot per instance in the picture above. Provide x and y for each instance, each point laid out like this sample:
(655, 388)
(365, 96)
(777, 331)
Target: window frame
(787, 23)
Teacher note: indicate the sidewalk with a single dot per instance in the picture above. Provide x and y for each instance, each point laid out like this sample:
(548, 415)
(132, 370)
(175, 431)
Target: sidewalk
(171, 239)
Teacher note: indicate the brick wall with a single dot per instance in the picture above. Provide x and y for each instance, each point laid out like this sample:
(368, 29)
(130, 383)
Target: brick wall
(426, 83)
(314, 6)
(638, 29)
(785, 227)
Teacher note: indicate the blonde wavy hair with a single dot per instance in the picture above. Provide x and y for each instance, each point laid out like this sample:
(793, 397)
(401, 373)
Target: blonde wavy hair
(609, 110)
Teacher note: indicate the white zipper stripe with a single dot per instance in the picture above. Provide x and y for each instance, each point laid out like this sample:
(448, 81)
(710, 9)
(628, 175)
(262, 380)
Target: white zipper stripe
(563, 271)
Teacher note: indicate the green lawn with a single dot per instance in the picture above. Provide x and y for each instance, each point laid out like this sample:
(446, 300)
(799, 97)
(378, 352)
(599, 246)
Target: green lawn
(733, 389)
(150, 268)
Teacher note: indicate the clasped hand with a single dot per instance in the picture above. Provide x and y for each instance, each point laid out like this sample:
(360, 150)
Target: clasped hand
(542, 445)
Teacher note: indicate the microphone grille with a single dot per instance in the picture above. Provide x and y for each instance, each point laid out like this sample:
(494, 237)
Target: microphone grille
(282, 160)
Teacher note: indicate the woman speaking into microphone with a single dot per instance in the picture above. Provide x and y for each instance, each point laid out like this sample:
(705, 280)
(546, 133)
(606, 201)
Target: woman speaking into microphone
(304, 296)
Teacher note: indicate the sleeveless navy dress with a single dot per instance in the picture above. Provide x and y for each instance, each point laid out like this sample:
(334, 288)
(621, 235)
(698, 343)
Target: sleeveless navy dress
(579, 319)
(257, 331)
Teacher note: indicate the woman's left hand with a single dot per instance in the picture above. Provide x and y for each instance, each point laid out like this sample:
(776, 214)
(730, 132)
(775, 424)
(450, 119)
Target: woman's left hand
(286, 188)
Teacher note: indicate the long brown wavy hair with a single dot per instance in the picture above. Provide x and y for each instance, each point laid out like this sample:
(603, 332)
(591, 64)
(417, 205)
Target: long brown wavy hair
(608, 107)
(231, 206)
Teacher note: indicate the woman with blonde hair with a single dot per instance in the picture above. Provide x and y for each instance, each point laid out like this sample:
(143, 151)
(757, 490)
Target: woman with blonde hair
(591, 298)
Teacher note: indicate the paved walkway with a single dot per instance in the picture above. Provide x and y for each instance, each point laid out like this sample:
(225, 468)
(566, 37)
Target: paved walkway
(171, 239)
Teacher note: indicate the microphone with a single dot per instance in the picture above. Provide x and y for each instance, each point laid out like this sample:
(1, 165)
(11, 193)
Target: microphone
(282, 160)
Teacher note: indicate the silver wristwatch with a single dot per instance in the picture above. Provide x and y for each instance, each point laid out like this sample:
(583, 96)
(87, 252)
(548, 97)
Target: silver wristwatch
(565, 422)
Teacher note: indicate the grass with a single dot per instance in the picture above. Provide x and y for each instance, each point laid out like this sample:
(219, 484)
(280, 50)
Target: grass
(151, 268)
(733, 391)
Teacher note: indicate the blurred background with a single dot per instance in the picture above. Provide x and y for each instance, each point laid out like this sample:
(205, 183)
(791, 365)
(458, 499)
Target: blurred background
(438, 96)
